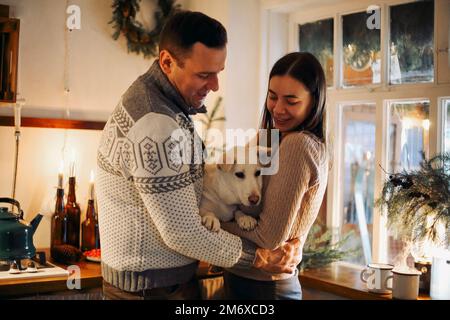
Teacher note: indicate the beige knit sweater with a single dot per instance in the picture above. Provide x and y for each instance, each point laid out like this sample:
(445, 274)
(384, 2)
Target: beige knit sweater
(291, 198)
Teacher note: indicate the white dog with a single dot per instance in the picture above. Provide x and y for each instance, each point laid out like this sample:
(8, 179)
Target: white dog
(225, 187)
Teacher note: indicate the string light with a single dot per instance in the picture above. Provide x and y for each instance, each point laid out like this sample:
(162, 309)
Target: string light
(67, 82)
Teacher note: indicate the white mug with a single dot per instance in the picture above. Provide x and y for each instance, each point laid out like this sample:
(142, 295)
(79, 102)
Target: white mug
(405, 284)
(375, 276)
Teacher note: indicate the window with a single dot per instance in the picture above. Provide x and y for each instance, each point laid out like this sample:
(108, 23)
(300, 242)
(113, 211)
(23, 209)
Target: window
(360, 51)
(411, 45)
(408, 137)
(446, 106)
(358, 122)
(408, 130)
(317, 38)
(382, 111)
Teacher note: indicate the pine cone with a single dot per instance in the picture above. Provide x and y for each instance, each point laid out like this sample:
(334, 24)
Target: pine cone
(133, 36)
(66, 254)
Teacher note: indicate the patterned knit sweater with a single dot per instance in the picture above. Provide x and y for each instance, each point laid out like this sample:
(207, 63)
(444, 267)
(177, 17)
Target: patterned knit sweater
(148, 195)
(291, 198)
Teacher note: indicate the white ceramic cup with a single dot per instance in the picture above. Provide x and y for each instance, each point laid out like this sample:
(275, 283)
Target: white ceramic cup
(375, 276)
(405, 284)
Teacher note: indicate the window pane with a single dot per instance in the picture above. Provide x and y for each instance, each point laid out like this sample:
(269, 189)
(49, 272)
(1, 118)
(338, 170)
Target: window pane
(412, 28)
(447, 124)
(361, 51)
(317, 38)
(408, 137)
(358, 178)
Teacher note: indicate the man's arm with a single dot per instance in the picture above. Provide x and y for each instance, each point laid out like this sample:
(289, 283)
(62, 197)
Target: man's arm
(168, 187)
(168, 191)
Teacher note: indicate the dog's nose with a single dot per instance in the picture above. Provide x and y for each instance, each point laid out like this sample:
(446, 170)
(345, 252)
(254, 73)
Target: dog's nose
(253, 199)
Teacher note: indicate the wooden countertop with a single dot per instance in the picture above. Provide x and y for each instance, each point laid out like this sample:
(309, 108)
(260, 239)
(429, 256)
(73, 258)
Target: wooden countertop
(91, 278)
(338, 279)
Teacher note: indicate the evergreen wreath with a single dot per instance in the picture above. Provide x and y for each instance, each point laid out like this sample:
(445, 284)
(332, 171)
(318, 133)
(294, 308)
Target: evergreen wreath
(139, 39)
(413, 198)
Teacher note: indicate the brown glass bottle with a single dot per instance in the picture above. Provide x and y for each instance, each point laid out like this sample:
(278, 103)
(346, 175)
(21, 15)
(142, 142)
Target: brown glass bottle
(89, 229)
(59, 222)
(73, 216)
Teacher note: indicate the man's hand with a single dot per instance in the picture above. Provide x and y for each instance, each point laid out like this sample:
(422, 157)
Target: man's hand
(284, 259)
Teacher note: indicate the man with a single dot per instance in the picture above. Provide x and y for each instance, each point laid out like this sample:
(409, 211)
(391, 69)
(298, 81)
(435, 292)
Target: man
(152, 236)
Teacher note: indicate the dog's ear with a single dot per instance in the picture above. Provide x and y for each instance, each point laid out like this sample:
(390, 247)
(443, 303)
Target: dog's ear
(225, 167)
(228, 160)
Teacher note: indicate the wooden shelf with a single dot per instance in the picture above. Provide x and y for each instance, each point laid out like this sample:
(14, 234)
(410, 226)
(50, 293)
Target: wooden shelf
(6, 121)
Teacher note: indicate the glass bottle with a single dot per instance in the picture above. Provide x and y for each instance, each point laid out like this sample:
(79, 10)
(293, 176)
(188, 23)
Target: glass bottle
(59, 223)
(89, 229)
(73, 216)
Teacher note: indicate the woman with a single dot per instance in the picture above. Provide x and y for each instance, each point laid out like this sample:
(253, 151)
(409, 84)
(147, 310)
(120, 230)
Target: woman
(295, 105)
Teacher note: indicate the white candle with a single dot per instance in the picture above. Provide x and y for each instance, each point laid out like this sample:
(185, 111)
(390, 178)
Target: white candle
(60, 175)
(91, 186)
(72, 164)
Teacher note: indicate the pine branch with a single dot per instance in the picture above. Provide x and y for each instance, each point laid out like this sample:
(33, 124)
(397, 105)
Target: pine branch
(318, 250)
(413, 198)
(209, 119)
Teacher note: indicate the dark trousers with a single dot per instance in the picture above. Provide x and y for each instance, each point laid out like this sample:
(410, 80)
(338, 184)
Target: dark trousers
(186, 291)
(238, 288)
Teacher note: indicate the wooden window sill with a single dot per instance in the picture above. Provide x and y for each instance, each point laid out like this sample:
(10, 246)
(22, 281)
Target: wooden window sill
(342, 280)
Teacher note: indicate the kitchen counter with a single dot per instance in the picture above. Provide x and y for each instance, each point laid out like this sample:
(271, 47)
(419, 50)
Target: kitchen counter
(336, 281)
(91, 282)
(56, 287)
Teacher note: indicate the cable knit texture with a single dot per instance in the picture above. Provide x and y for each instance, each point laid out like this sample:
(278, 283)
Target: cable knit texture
(148, 197)
(291, 198)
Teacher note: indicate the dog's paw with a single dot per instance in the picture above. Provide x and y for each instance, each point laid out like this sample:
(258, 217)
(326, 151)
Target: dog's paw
(211, 223)
(246, 222)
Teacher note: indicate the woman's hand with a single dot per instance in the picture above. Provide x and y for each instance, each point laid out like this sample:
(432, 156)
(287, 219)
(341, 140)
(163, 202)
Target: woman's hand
(284, 259)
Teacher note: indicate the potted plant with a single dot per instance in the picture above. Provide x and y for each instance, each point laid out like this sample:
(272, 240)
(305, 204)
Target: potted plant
(417, 204)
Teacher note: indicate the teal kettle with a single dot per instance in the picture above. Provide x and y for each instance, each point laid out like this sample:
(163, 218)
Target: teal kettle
(16, 235)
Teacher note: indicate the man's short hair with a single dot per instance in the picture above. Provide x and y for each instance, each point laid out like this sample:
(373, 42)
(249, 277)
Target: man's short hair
(185, 28)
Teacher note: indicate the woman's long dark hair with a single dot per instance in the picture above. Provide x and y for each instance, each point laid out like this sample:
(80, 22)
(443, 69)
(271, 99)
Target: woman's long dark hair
(305, 68)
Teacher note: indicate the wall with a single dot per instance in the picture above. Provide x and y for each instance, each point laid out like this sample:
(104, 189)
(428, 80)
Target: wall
(240, 80)
(243, 64)
(99, 70)
(39, 160)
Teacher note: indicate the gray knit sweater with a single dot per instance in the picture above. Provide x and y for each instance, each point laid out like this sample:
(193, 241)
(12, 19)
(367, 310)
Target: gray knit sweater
(148, 194)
